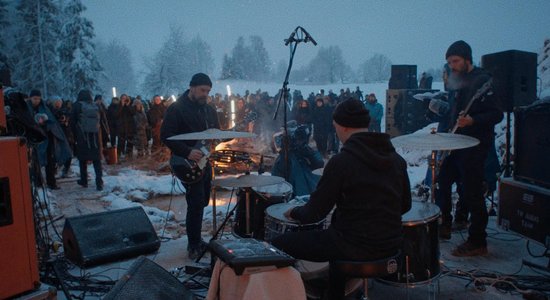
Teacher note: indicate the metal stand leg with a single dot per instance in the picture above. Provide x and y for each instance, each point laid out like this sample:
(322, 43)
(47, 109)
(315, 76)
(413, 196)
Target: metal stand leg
(247, 204)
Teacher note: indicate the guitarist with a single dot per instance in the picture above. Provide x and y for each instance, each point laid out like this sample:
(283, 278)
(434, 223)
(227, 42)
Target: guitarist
(190, 113)
(467, 165)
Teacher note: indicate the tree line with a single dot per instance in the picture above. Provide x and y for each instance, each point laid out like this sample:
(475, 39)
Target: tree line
(49, 45)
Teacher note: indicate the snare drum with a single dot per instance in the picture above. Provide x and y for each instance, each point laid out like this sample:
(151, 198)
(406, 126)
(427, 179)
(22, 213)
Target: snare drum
(276, 223)
(420, 255)
(314, 274)
(276, 193)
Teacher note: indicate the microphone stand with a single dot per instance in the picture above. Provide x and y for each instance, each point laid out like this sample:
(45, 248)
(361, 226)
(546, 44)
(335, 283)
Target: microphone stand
(283, 95)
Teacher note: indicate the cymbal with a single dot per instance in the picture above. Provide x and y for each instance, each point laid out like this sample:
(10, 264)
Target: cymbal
(212, 134)
(434, 141)
(248, 181)
(318, 171)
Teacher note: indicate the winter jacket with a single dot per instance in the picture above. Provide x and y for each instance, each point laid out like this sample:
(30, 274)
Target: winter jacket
(368, 183)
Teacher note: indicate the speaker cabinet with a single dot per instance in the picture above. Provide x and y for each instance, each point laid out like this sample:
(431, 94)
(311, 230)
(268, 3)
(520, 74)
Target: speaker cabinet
(405, 114)
(403, 77)
(524, 208)
(514, 77)
(108, 236)
(532, 144)
(145, 280)
(18, 256)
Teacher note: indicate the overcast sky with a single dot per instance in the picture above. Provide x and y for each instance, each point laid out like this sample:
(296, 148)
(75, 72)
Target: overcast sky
(408, 32)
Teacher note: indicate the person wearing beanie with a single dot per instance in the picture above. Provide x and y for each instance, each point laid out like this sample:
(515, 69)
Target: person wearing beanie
(368, 184)
(190, 113)
(466, 166)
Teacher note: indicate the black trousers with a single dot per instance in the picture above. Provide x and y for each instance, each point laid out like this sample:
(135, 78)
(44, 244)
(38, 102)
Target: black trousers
(465, 166)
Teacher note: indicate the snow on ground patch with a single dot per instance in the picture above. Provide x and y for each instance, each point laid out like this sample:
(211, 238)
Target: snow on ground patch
(130, 179)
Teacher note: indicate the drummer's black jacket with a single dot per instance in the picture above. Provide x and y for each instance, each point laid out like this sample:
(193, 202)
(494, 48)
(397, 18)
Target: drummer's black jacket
(368, 183)
(185, 116)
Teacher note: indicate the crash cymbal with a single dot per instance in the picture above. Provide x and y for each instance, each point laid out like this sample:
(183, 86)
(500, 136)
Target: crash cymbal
(434, 141)
(248, 181)
(318, 171)
(212, 134)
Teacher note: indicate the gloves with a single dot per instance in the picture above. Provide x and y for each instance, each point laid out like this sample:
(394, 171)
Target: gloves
(439, 107)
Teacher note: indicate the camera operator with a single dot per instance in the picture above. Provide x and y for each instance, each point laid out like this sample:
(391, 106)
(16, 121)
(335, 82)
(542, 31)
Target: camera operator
(62, 114)
(302, 159)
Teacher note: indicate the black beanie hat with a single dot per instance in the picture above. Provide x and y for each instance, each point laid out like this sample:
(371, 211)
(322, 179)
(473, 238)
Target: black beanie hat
(460, 48)
(351, 113)
(200, 79)
(35, 93)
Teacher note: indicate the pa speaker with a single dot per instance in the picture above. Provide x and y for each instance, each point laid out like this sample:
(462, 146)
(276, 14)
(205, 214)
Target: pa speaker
(109, 236)
(514, 77)
(145, 280)
(404, 113)
(532, 144)
(403, 77)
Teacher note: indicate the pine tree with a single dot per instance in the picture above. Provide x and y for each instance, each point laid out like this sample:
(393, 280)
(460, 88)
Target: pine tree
(37, 60)
(79, 65)
(240, 60)
(260, 64)
(167, 70)
(227, 67)
(199, 56)
(4, 26)
(116, 61)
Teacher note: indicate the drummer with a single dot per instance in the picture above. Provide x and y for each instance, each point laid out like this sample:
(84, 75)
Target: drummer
(190, 113)
(368, 183)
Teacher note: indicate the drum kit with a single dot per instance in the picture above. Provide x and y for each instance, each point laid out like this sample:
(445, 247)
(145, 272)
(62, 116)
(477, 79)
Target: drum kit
(266, 199)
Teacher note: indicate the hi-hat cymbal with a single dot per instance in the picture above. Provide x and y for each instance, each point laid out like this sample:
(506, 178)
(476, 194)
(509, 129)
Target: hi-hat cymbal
(434, 141)
(212, 134)
(248, 181)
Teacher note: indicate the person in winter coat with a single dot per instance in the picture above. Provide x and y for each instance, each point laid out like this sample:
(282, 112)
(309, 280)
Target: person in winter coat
(55, 150)
(155, 116)
(112, 119)
(86, 124)
(126, 127)
(376, 112)
(321, 125)
(140, 137)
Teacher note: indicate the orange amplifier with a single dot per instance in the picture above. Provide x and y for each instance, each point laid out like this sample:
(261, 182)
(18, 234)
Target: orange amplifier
(18, 255)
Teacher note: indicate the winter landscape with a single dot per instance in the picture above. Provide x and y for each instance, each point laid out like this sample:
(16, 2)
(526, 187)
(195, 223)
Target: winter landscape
(63, 47)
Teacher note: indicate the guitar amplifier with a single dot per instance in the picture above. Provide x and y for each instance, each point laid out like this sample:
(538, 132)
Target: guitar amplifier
(525, 208)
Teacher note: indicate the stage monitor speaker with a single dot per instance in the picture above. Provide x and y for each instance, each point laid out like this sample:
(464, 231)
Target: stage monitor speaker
(404, 113)
(403, 77)
(524, 208)
(94, 239)
(514, 77)
(18, 256)
(532, 143)
(145, 280)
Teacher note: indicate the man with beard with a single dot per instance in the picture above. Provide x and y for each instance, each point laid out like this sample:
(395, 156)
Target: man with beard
(467, 165)
(190, 113)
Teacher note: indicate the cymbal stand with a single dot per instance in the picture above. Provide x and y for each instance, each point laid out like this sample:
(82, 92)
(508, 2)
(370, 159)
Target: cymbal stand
(433, 163)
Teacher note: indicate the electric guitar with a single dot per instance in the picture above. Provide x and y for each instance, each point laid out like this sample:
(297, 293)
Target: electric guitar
(478, 95)
(189, 171)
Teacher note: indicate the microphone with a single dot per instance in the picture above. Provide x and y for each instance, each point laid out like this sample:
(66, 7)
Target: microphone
(290, 38)
(308, 36)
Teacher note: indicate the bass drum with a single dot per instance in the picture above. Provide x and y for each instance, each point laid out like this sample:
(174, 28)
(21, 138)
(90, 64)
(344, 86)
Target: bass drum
(419, 261)
(314, 274)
